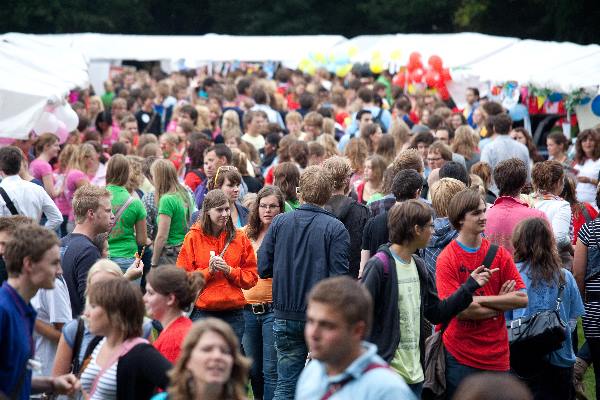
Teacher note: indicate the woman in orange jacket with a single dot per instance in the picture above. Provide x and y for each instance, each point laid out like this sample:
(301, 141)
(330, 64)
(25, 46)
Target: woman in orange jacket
(225, 257)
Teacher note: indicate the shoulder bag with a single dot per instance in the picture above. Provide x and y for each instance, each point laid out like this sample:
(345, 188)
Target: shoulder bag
(434, 365)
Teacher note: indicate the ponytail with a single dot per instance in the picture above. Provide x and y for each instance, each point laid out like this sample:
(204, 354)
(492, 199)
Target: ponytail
(169, 279)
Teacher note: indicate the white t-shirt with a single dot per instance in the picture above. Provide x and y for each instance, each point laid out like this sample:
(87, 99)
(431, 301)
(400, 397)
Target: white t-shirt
(586, 192)
(257, 141)
(53, 307)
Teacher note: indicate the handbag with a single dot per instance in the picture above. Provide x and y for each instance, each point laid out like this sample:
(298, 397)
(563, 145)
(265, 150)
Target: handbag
(434, 364)
(538, 334)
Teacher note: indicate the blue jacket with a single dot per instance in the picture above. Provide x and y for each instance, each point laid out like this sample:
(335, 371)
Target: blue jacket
(300, 249)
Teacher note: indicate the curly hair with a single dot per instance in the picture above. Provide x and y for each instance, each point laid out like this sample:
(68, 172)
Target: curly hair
(182, 382)
(254, 225)
(315, 185)
(340, 170)
(546, 175)
(465, 142)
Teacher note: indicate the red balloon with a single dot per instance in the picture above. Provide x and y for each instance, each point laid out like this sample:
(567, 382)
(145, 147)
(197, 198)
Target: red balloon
(443, 92)
(430, 77)
(399, 79)
(436, 63)
(416, 76)
(414, 61)
(446, 75)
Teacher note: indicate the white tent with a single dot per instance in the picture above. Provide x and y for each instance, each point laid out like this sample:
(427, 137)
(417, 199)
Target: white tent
(31, 73)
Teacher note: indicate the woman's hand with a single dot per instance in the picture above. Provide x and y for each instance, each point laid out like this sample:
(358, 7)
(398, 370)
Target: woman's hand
(482, 275)
(135, 270)
(216, 263)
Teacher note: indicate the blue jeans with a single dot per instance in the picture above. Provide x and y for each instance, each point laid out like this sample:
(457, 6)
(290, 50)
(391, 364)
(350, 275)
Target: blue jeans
(455, 373)
(124, 263)
(235, 319)
(259, 345)
(291, 356)
(416, 388)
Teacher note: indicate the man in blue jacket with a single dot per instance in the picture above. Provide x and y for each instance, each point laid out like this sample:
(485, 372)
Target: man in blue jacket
(300, 249)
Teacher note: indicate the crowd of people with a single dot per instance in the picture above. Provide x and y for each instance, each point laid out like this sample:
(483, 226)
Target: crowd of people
(211, 236)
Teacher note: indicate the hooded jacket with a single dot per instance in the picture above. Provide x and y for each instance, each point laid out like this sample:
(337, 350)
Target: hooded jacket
(221, 292)
(443, 234)
(354, 216)
(300, 249)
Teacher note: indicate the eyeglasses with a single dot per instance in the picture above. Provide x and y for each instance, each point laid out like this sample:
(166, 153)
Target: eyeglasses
(434, 159)
(224, 168)
(269, 206)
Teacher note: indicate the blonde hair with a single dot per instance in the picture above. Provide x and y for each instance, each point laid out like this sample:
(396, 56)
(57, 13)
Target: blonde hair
(357, 152)
(231, 120)
(182, 383)
(329, 126)
(400, 132)
(103, 265)
(464, 142)
(442, 192)
(340, 170)
(329, 144)
(136, 177)
(87, 198)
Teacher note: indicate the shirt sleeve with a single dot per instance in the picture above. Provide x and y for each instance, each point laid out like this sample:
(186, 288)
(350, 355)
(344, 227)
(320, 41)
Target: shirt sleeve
(59, 305)
(584, 234)
(165, 206)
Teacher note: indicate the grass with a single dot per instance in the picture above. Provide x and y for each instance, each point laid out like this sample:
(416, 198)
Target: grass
(588, 378)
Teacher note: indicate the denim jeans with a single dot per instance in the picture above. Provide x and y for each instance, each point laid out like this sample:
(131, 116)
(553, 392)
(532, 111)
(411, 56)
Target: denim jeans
(416, 388)
(259, 345)
(124, 263)
(291, 356)
(235, 319)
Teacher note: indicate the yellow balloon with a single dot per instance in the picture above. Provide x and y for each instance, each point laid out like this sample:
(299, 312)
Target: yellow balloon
(376, 55)
(352, 51)
(303, 64)
(311, 69)
(320, 58)
(343, 70)
(376, 66)
(395, 55)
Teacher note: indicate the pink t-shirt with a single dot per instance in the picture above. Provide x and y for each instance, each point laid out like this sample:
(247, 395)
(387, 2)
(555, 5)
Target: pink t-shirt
(502, 218)
(40, 168)
(73, 177)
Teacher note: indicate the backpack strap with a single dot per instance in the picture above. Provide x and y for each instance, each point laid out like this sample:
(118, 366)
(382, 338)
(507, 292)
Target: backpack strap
(75, 364)
(335, 387)
(586, 213)
(385, 260)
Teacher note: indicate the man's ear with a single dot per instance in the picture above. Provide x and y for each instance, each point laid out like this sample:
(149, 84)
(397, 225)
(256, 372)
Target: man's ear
(360, 330)
(27, 265)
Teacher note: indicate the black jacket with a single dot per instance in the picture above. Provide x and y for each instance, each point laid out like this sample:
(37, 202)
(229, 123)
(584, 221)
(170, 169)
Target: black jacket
(140, 372)
(383, 287)
(354, 217)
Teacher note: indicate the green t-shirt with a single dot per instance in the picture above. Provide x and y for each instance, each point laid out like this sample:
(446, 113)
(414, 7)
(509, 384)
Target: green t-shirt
(121, 242)
(173, 205)
(291, 205)
(406, 359)
(375, 197)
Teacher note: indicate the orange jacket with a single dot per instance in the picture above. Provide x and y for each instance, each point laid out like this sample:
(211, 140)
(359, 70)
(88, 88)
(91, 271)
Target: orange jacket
(221, 292)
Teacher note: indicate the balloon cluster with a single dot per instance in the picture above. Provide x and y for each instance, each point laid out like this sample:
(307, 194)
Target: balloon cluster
(434, 75)
(59, 119)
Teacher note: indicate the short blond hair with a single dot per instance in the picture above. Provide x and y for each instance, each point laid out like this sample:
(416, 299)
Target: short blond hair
(442, 192)
(315, 185)
(87, 198)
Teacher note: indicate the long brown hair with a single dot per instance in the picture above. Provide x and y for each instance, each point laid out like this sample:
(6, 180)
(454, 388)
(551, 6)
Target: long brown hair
(286, 177)
(254, 224)
(182, 382)
(580, 156)
(164, 177)
(168, 279)
(534, 244)
(215, 198)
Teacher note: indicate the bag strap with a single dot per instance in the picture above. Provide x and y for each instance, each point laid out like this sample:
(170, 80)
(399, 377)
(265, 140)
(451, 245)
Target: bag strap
(561, 288)
(154, 113)
(490, 255)
(586, 213)
(75, 364)
(9, 203)
(335, 387)
(120, 212)
(226, 246)
(124, 349)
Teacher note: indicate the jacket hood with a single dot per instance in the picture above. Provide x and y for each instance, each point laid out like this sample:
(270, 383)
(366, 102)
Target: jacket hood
(443, 233)
(339, 205)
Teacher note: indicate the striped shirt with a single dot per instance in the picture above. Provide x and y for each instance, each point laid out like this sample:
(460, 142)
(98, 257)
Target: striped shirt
(107, 385)
(589, 235)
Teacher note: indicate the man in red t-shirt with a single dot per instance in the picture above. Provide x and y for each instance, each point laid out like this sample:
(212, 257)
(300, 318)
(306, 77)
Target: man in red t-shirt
(476, 340)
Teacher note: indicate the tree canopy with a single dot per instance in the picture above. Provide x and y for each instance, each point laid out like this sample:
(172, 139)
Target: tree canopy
(559, 20)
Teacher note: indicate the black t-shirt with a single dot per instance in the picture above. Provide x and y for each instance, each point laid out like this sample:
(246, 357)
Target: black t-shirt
(253, 184)
(375, 233)
(148, 122)
(78, 254)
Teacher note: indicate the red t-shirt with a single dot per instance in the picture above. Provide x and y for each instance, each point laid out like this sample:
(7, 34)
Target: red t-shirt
(481, 344)
(171, 338)
(192, 180)
(578, 218)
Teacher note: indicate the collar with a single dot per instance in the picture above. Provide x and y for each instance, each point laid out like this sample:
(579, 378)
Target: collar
(11, 178)
(26, 310)
(510, 199)
(314, 208)
(357, 367)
